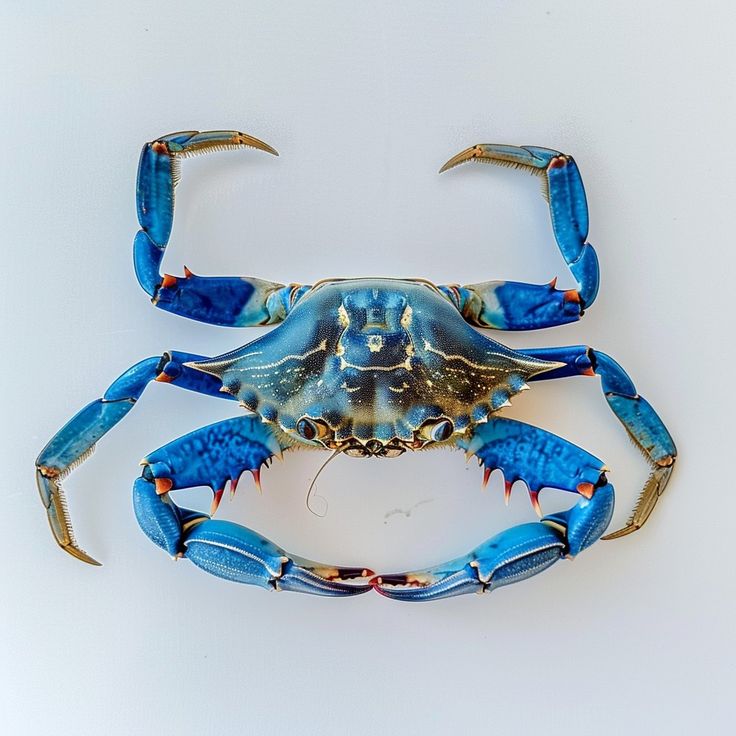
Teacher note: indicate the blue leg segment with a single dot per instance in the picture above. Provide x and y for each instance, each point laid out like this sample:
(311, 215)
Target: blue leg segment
(227, 301)
(511, 305)
(75, 441)
(642, 423)
(541, 460)
(213, 456)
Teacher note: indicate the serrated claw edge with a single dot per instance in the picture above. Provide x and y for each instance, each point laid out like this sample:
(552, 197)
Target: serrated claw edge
(653, 489)
(54, 499)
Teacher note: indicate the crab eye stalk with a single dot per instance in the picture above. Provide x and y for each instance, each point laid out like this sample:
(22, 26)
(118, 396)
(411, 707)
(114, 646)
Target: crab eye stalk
(438, 431)
(312, 429)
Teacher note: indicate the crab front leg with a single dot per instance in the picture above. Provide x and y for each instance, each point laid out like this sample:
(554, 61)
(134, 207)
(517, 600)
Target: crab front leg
(511, 305)
(541, 460)
(642, 423)
(76, 440)
(213, 456)
(227, 301)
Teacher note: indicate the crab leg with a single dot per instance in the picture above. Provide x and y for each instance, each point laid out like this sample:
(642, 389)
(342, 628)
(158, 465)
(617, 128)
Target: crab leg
(213, 456)
(75, 441)
(646, 430)
(540, 459)
(511, 305)
(228, 301)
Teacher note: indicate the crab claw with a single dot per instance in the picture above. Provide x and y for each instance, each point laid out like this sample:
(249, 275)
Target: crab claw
(522, 157)
(512, 555)
(239, 554)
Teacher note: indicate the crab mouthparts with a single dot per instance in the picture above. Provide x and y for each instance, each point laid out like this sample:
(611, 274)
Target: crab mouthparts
(373, 448)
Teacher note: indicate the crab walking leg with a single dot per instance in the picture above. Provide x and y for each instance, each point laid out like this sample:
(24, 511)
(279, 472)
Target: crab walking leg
(540, 459)
(645, 428)
(228, 301)
(212, 456)
(75, 441)
(511, 305)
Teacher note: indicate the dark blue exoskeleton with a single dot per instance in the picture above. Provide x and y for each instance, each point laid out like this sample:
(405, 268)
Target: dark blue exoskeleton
(369, 368)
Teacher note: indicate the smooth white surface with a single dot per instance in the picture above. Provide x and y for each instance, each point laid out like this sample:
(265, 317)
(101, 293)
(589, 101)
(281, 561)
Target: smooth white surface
(364, 103)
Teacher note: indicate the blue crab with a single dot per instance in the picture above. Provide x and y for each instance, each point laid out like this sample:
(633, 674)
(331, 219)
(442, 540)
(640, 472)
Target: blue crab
(369, 368)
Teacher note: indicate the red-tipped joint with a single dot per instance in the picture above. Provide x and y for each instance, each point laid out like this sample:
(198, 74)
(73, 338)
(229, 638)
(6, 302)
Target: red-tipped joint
(586, 490)
(168, 281)
(571, 295)
(558, 162)
(163, 485)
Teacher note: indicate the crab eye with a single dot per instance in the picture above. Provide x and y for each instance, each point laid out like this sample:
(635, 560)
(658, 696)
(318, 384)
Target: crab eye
(437, 431)
(312, 429)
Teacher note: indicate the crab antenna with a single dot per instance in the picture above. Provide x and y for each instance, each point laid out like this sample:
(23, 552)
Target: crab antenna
(314, 480)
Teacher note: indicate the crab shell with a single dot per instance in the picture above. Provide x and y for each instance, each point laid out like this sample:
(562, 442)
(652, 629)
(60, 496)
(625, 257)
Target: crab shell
(374, 360)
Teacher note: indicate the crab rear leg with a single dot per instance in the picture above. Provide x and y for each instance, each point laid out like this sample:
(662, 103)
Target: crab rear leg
(75, 441)
(212, 456)
(540, 459)
(228, 301)
(511, 305)
(646, 430)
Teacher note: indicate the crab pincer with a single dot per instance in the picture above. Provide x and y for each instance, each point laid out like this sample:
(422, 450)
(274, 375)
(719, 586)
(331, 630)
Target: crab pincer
(239, 554)
(513, 555)
(541, 460)
(212, 456)
(236, 553)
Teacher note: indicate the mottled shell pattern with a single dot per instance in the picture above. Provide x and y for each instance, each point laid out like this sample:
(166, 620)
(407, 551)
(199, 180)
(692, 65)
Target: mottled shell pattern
(374, 367)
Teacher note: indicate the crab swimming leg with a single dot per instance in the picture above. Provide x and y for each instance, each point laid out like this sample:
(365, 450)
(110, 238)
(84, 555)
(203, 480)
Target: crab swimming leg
(512, 305)
(212, 456)
(541, 460)
(228, 301)
(75, 441)
(646, 430)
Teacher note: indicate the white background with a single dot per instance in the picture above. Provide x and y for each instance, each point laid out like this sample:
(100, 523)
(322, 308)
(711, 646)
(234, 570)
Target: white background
(364, 103)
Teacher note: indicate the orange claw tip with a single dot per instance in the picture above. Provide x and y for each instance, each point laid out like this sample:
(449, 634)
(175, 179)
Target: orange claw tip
(257, 478)
(534, 498)
(168, 281)
(216, 501)
(507, 486)
(486, 475)
(163, 485)
(552, 284)
(164, 378)
(587, 372)
(467, 155)
(80, 554)
(187, 273)
(571, 295)
(586, 489)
